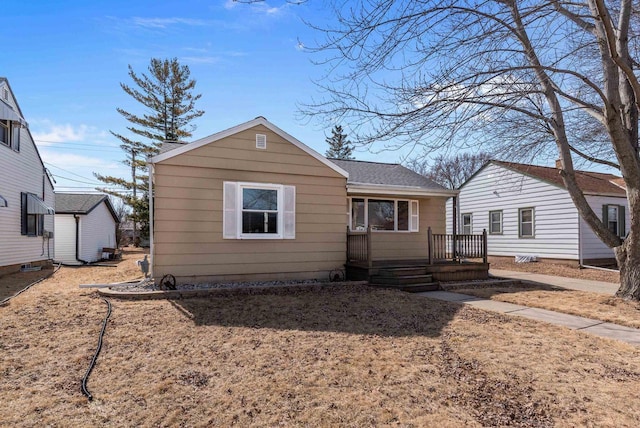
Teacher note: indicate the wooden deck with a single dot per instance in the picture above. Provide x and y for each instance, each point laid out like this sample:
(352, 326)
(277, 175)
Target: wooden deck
(451, 257)
(439, 271)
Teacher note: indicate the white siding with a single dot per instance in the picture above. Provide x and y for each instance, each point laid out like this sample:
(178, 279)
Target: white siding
(65, 238)
(22, 172)
(496, 188)
(592, 246)
(97, 230)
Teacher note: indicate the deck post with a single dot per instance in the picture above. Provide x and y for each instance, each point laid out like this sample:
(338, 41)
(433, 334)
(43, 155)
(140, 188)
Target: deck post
(454, 228)
(430, 245)
(369, 248)
(348, 246)
(484, 246)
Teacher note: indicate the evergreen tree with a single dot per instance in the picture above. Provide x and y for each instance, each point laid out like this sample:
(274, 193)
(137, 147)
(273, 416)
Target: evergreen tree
(166, 94)
(339, 146)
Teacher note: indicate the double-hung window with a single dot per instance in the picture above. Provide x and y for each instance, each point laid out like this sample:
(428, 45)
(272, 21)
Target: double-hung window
(466, 224)
(383, 214)
(613, 217)
(495, 222)
(526, 223)
(10, 134)
(258, 211)
(32, 214)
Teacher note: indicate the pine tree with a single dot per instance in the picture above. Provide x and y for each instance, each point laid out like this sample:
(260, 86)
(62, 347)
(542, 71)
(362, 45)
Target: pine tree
(166, 94)
(339, 146)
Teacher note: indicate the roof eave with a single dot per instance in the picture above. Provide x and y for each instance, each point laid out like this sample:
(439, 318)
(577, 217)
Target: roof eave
(383, 189)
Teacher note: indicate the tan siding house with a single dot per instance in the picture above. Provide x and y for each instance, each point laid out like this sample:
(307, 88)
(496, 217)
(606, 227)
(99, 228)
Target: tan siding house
(252, 202)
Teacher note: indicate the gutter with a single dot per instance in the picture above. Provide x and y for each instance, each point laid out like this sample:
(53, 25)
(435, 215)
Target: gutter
(381, 189)
(84, 262)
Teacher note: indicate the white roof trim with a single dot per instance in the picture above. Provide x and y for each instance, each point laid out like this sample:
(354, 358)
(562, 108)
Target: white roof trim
(380, 189)
(243, 127)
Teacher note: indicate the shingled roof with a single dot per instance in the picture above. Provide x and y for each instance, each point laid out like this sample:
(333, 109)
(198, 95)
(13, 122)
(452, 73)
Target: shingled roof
(595, 183)
(361, 172)
(82, 203)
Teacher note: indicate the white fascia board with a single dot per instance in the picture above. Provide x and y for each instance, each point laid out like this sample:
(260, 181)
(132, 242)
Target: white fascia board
(375, 189)
(243, 127)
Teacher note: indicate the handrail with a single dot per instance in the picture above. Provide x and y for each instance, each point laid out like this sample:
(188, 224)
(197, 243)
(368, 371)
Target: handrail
(443, 246)
(359, 248)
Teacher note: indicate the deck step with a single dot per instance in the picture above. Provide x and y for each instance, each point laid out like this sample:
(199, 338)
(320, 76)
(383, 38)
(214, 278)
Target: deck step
(402, 271)
(411, 288)
(401, 280)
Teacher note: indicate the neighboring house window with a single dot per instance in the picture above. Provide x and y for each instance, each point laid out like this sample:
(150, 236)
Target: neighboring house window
(32, 224)
(384, 214)
(10, 134)
(614, 218)
(466, 224)
(525, 222)
(495, 222)
(5, 132)
(258, 211)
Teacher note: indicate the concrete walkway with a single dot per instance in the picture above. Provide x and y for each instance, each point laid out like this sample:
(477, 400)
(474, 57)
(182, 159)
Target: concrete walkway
(599, 328)
(558, 281)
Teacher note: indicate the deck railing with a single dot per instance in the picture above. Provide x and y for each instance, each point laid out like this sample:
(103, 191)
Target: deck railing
(359, 246)
(441, 247)
(456, 247)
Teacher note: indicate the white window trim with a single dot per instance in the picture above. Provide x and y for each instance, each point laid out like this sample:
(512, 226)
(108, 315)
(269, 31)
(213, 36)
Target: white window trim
(533, 223)
(410, 214)
(470, 223)
(491, 232)
(280, 218)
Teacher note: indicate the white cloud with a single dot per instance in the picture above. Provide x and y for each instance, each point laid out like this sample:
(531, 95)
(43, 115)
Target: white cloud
(45, 133)
(166, 22)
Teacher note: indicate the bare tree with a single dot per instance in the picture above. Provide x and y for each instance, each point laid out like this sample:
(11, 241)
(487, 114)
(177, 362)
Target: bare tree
(522, 77)
(450, 172)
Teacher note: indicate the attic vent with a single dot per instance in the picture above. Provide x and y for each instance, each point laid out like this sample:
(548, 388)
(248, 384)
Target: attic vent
(261, 141)
(5, 94)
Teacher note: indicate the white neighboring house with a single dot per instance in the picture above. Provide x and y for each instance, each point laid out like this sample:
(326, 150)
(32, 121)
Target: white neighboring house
(85, 224)
(26, 191)
(526, 210)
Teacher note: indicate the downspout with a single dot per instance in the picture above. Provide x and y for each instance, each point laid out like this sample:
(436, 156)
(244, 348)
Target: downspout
(151, 228)
(580, 261)
(84, 262)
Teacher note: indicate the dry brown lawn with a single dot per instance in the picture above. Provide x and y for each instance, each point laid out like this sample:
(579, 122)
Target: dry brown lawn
(556, 269)
(582, 303)
(351, 356)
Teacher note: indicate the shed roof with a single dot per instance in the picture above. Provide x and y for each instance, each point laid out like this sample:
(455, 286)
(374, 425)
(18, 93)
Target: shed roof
(595, 183)
(82, 203)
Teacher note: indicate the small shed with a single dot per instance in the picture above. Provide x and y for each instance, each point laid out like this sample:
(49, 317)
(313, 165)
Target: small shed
(85, 225)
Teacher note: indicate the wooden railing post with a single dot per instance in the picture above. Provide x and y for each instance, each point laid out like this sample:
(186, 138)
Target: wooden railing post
(484, 246)
(430, 245)
(369, 248)
(348, 246)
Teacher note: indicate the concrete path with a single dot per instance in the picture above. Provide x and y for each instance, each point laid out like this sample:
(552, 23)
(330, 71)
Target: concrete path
(599, 328)
(558, 281)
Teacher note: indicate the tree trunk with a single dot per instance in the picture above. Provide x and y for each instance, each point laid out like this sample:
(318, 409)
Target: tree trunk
(628, 257)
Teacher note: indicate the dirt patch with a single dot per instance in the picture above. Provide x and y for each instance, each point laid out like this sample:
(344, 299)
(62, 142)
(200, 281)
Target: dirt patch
(356, 356)
(12, 283)
(546, 268)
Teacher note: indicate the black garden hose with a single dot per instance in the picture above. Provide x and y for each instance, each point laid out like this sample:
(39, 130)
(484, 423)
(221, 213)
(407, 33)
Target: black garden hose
(85, 391)
(5, 301)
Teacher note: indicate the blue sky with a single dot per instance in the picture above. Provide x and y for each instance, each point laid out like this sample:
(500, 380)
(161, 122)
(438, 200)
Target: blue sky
(67, 58)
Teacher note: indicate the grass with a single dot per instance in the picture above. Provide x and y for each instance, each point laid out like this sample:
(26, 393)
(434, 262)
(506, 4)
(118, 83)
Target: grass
(349, 356)
(556, 269)
(589, 305)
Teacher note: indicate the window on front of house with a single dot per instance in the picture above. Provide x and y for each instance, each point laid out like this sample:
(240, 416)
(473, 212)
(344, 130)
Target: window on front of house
(495, 222)
(466, 224)
(384, 215)
(258, 211)
(526, 222)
